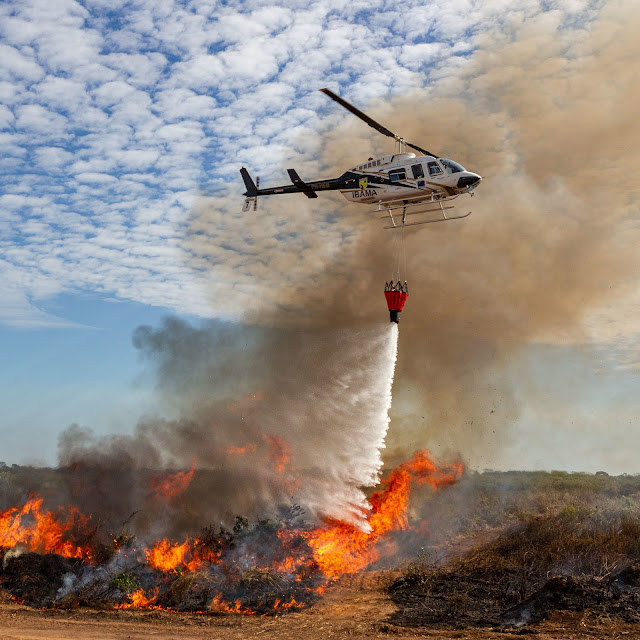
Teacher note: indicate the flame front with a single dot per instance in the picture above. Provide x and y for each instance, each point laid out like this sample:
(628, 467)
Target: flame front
(340, 547)
(168, 486)
(138, 600)
(278, 453)
(292, 564)
(166, 556)
(43, 531)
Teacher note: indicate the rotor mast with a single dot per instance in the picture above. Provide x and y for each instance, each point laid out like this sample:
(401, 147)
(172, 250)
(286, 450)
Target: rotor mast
(401, 144)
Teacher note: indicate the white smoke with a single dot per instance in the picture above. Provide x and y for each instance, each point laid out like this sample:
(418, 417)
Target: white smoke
(12, 553)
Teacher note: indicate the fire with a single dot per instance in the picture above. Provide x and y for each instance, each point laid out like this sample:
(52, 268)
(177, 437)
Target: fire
(269, 568)
(240, 451)
(288, 565)
(138, 600)
(220, 606)
(168, 486)
(43, 531)
(278, 452)
(166, 556)
(340, 547)
(291, 604)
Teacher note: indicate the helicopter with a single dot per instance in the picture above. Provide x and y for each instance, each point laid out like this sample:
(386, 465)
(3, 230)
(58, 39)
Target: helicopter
(399, 182)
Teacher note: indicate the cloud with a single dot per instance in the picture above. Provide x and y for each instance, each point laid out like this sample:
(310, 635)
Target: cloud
(19, 311)
(16, 65)
(6, 117)
(33, 118)
(115, 120)
(93, 177)
(53, 158)
(125, 127)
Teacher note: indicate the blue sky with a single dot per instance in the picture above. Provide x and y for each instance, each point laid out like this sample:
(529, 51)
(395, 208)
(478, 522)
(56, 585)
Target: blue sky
(88, 373)
(121, 121)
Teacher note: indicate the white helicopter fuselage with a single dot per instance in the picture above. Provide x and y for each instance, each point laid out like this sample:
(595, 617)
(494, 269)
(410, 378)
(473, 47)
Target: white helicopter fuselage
(396, 182)
(401, 176)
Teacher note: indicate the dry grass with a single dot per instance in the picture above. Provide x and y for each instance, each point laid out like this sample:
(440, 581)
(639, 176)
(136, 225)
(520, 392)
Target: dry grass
(559, 541)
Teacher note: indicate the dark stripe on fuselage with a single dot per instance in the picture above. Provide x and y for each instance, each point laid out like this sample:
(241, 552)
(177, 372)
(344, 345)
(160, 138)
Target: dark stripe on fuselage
(350, 180)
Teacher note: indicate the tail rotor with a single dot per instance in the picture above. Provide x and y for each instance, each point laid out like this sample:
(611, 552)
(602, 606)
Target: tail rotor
(255, 200)
(252, 190)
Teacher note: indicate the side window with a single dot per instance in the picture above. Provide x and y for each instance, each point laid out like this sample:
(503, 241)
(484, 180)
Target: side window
(434, 169)
(418, 171)
(397, 174)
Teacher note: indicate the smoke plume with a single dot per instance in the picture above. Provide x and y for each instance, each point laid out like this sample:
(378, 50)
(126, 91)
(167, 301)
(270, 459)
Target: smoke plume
(545, 112)
(270, 418)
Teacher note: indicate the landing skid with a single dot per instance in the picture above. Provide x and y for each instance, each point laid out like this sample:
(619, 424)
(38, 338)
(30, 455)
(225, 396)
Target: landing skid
(409, 208)
(413, 224)
(414, 213)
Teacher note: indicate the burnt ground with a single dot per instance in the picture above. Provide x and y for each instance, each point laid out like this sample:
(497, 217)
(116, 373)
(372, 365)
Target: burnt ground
(453, 599)
(360, 606)
(570, 560)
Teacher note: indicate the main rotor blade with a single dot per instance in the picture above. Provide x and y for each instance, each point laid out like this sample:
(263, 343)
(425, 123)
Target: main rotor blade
(372, 123)
(420, 149)
(363, 116)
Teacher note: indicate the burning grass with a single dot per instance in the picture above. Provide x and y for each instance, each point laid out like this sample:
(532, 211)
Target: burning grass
(499, 549)
(218, 571)
(265, 568)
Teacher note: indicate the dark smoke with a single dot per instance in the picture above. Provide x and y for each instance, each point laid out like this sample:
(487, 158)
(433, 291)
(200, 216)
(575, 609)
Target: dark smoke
(269, 418)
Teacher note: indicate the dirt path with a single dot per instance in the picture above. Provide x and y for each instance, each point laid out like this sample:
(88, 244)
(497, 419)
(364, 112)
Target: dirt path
(357, 607)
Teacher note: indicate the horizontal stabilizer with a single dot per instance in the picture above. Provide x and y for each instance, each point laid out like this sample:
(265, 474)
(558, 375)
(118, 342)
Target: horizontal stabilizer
(303, 186)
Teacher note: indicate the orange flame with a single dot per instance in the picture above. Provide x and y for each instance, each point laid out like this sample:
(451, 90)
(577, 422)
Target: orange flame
(138, 600)
(167, 486)
(168, 556)
(43, 531)
(220, 606)
(340, 547)
(292, 604)
(336, 548)
(278, 452)
(241, 451)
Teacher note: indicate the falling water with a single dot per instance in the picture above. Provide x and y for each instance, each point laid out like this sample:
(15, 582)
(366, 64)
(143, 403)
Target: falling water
(341, 420)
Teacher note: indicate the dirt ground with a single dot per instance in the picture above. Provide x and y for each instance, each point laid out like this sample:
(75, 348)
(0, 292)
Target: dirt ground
(357, 606)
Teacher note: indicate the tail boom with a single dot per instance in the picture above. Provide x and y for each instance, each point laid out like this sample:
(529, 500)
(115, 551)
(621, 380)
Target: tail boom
(298, 185)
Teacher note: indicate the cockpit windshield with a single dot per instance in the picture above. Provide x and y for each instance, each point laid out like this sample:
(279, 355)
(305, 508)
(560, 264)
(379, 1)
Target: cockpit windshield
(451, 166)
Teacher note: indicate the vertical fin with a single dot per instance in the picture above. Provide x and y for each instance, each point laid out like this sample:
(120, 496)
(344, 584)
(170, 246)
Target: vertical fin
(252, 190)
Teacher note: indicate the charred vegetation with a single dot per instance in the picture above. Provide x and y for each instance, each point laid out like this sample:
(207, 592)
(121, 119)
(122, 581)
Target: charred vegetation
(544, 542)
